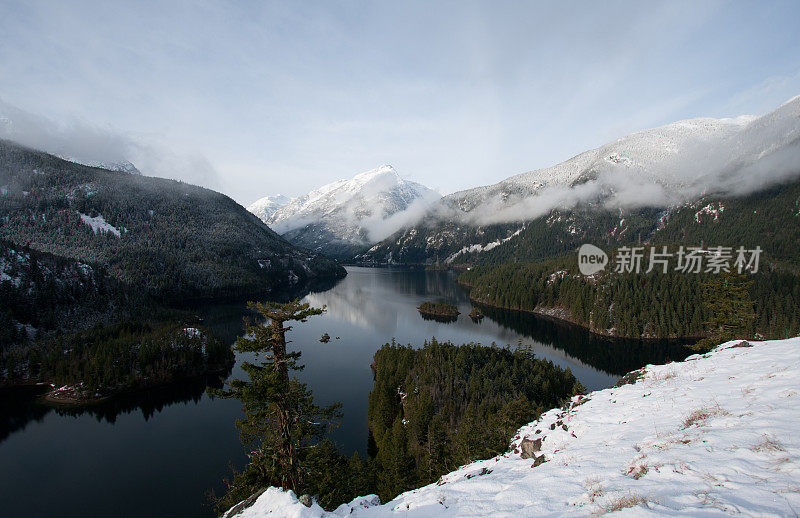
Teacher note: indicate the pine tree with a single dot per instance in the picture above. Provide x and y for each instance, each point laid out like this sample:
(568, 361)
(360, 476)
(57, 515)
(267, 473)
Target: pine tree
(282, 426)
(398, 470)
(727, 299)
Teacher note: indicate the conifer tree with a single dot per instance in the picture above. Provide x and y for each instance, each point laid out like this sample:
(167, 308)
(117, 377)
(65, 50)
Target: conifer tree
(282, 426)
(727, 299)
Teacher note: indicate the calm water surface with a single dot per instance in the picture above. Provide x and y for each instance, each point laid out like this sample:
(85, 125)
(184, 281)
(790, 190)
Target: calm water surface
(159, 452)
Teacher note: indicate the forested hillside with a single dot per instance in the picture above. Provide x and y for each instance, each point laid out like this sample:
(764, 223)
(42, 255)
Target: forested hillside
(69, 322)
(169, 238)
(41, 293)
(769, 218)
(435, 408)
(648, 305)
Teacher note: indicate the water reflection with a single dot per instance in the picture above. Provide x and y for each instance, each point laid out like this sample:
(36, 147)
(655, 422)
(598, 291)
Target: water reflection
(22, 406)
(19, 410)
(444, 319)
(614, 356)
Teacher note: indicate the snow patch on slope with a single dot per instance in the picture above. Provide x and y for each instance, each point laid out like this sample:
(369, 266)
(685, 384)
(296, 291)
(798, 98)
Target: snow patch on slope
(482, 248)
(99, 225)
(715, 434)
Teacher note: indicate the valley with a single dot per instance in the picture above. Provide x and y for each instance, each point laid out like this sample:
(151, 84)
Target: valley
(374, 342)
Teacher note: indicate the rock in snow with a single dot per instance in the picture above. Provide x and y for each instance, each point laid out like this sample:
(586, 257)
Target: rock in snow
(713, 435)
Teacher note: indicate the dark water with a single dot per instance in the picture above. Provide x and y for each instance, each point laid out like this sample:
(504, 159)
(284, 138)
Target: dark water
(157, 453)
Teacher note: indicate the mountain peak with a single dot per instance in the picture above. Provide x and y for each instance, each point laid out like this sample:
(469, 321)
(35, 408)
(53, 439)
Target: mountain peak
(383, 170)
(266, 206)
(351, 213)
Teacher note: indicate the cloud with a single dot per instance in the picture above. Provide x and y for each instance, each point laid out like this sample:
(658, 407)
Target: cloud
(75, 139)
(82, 142)
(379, 228)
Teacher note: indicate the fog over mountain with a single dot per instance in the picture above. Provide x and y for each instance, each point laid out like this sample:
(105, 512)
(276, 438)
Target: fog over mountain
(663, 166)
(81, 142)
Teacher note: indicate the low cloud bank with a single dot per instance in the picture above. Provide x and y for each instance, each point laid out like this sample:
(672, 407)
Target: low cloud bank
(85, 143)
(763, 152)
(379, 228)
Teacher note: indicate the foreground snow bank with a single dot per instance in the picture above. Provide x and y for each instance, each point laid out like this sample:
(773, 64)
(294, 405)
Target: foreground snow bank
(715, 434)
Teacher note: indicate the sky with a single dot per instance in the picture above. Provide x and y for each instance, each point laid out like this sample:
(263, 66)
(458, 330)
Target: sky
(261, 98)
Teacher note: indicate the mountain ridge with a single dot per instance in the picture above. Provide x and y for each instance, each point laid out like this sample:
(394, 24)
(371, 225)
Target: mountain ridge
(172, 239)
(649, 172)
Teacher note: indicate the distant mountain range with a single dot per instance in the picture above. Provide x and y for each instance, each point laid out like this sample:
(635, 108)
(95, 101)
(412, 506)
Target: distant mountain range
(621, 192)
(345, 216)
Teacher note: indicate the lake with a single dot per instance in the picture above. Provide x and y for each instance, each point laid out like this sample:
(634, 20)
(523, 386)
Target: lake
(156, 453)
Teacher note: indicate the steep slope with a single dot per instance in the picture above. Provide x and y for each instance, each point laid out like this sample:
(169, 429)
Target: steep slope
(40, 292)
(713, 435)
(634, 179)
(265, 207)
(171, 239)
(347, 215)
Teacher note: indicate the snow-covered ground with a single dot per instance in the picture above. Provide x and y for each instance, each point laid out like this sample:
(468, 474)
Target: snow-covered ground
(715, 434)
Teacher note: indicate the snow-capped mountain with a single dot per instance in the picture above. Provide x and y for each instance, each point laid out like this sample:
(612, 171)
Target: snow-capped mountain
(266, 206)
(348, 214)
(640, 153)
(663, 166)
(660, 168)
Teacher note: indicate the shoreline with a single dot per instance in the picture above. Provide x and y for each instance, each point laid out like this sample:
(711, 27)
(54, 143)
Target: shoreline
(67, 395)
(559, 314)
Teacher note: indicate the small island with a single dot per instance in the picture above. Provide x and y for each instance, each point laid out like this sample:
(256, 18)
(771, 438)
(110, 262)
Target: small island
(476, 314)
(438, 311)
